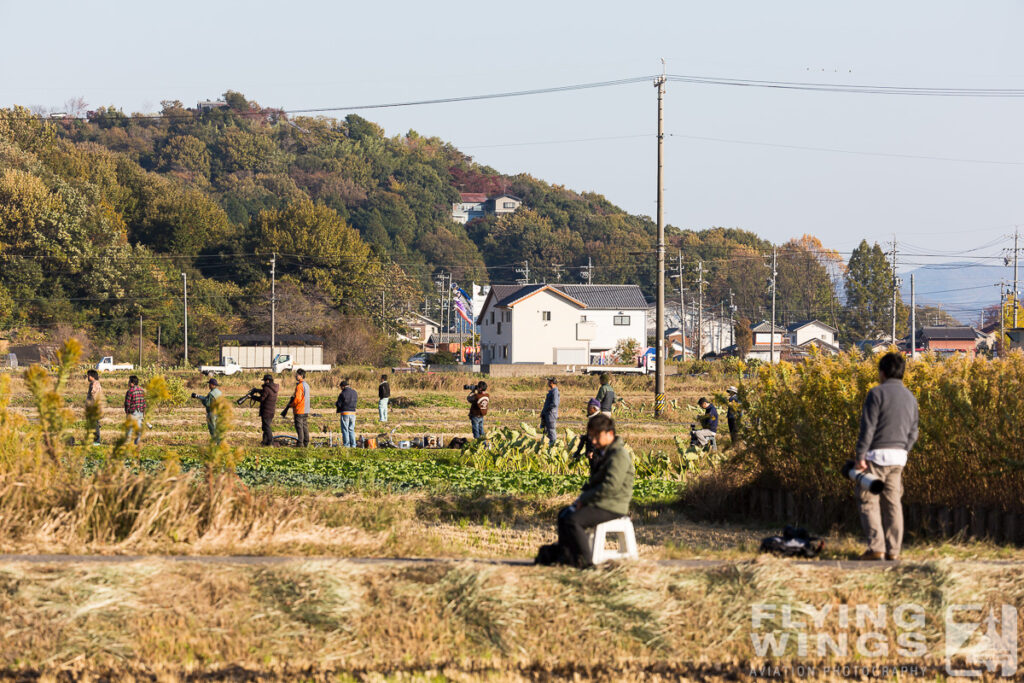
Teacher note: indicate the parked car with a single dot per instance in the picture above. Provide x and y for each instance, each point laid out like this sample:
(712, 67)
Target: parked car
(422, 359)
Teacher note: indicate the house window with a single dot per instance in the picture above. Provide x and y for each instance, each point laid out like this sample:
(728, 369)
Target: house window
(507, 315)
(492, 317)
(504, 351)
(499, 328)
(545, 316)
(620, 320)
(508, 205)
(583, 318)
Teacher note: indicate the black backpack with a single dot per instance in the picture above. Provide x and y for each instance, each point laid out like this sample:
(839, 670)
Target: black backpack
(794, 542)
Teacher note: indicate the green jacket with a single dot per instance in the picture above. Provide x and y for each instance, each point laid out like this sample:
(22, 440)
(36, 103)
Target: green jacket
(208, 402)
(610, 486)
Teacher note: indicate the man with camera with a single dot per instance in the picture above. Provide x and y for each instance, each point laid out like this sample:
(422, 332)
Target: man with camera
(208, 402)
(267, 397)
(888, 430)
(479, 400)
(709, 424)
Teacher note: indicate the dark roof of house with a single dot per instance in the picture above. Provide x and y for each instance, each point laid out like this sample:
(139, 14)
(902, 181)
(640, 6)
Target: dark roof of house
(449, 337)
(673, 331)
(264, 339)
(610, 297)
(949, 333)
(793, 327)
(473, 196)
(766, 327)
(618, 297)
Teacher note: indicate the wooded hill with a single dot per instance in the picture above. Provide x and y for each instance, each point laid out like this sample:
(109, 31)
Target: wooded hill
(100, 216)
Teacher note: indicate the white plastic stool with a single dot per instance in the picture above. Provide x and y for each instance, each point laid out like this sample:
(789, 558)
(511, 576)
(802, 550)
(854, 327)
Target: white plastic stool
(621, 530)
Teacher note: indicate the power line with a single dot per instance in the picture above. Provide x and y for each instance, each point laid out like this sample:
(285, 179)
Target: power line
(851, 88)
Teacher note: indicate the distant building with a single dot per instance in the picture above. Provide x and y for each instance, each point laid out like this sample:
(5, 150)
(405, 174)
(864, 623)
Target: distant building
(477, 205)
(418, 329)
(761, 342)
(252, 351)
(947, 341)
(560, 324)
(813, 333)
(207, 105)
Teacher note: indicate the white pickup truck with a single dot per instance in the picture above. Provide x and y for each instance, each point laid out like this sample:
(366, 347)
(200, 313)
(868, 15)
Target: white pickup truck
(283, 361)
(107, 364)
(228, 367)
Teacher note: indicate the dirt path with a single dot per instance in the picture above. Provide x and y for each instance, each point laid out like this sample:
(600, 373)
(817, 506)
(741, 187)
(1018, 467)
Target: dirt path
(270, 560)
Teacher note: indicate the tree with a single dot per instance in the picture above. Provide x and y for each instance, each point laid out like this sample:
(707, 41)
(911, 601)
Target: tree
(804, 284)
(744, 337)
(626, 351)
(869, 284)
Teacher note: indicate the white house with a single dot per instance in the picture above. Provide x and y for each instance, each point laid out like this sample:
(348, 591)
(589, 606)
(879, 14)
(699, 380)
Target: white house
(478, 204)
(559, 324)
(805, 334)
(419, 328)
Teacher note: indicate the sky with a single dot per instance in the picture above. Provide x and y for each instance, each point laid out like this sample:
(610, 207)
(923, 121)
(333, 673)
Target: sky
(303, 54)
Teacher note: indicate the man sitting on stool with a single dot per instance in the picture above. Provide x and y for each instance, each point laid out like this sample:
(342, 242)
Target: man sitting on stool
(605, 496)
(709, 421)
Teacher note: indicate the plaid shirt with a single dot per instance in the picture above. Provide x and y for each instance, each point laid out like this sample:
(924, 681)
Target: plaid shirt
(134, 400)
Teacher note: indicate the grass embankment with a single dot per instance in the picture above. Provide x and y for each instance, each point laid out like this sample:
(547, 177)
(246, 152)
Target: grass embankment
(335, 620)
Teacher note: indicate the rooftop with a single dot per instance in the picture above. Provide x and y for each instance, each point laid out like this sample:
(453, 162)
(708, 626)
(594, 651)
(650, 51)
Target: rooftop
(963, 333)
(598, 297)
(264, 339)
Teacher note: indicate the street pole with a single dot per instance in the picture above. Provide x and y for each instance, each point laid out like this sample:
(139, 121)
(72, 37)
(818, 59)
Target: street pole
(700, 310)
(894, 286)
(682, 298)
(732, 321)
(1002, 317)
(184, 284)
(273, 308)
(771, 334)
(1016, 237)
(659, 344)
(913, 319)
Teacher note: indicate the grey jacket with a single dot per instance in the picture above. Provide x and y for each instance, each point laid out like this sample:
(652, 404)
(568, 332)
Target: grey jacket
(551, 401)
(889, 418)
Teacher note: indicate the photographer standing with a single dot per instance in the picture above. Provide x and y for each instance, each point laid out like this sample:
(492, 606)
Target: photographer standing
(606, 395)
(478, 402)
(208, 401)
(888, 430)
(300, 408)
(267, 395)
(383, 395)
(346, 405)
(549, 413)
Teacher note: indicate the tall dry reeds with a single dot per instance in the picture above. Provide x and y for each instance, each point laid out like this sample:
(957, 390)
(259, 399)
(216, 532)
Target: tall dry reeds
(802, 423)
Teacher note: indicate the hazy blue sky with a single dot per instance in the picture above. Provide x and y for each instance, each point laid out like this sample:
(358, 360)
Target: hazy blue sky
(309, 54)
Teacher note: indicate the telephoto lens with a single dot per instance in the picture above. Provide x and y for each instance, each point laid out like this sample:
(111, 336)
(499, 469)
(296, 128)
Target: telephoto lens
(469, 387)
(865, 480)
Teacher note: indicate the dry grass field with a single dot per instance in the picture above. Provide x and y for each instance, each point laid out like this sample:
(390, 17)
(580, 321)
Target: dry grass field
(453, 605)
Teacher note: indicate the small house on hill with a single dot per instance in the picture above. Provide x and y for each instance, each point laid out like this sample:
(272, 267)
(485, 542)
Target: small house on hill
(478, 204)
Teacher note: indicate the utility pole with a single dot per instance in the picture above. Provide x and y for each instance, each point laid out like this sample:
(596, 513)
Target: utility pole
(1016, 238)
(140, 341)
(525, 272)
(913, 319)
(700, 309)
(895, 287)
(732, 321)
(1002, 317)
(659, 343)
(590, 271)
(184, 284)
(682, 299)
(273, 308)
(775, 274)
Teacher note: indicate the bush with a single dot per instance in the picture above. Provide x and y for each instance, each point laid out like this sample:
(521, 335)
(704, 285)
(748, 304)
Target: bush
(801, 425)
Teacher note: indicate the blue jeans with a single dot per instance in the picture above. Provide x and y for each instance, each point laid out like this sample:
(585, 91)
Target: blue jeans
(348, 431)
(382, 410)
(549, 429)
(478, 426)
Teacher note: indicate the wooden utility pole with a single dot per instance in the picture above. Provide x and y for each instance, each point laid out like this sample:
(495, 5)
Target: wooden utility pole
(659, 342)
(771, 334)
(913, 319)
(895, 291)
(700, 309)
(1016, 238)
(273, 308)
(184, 284)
